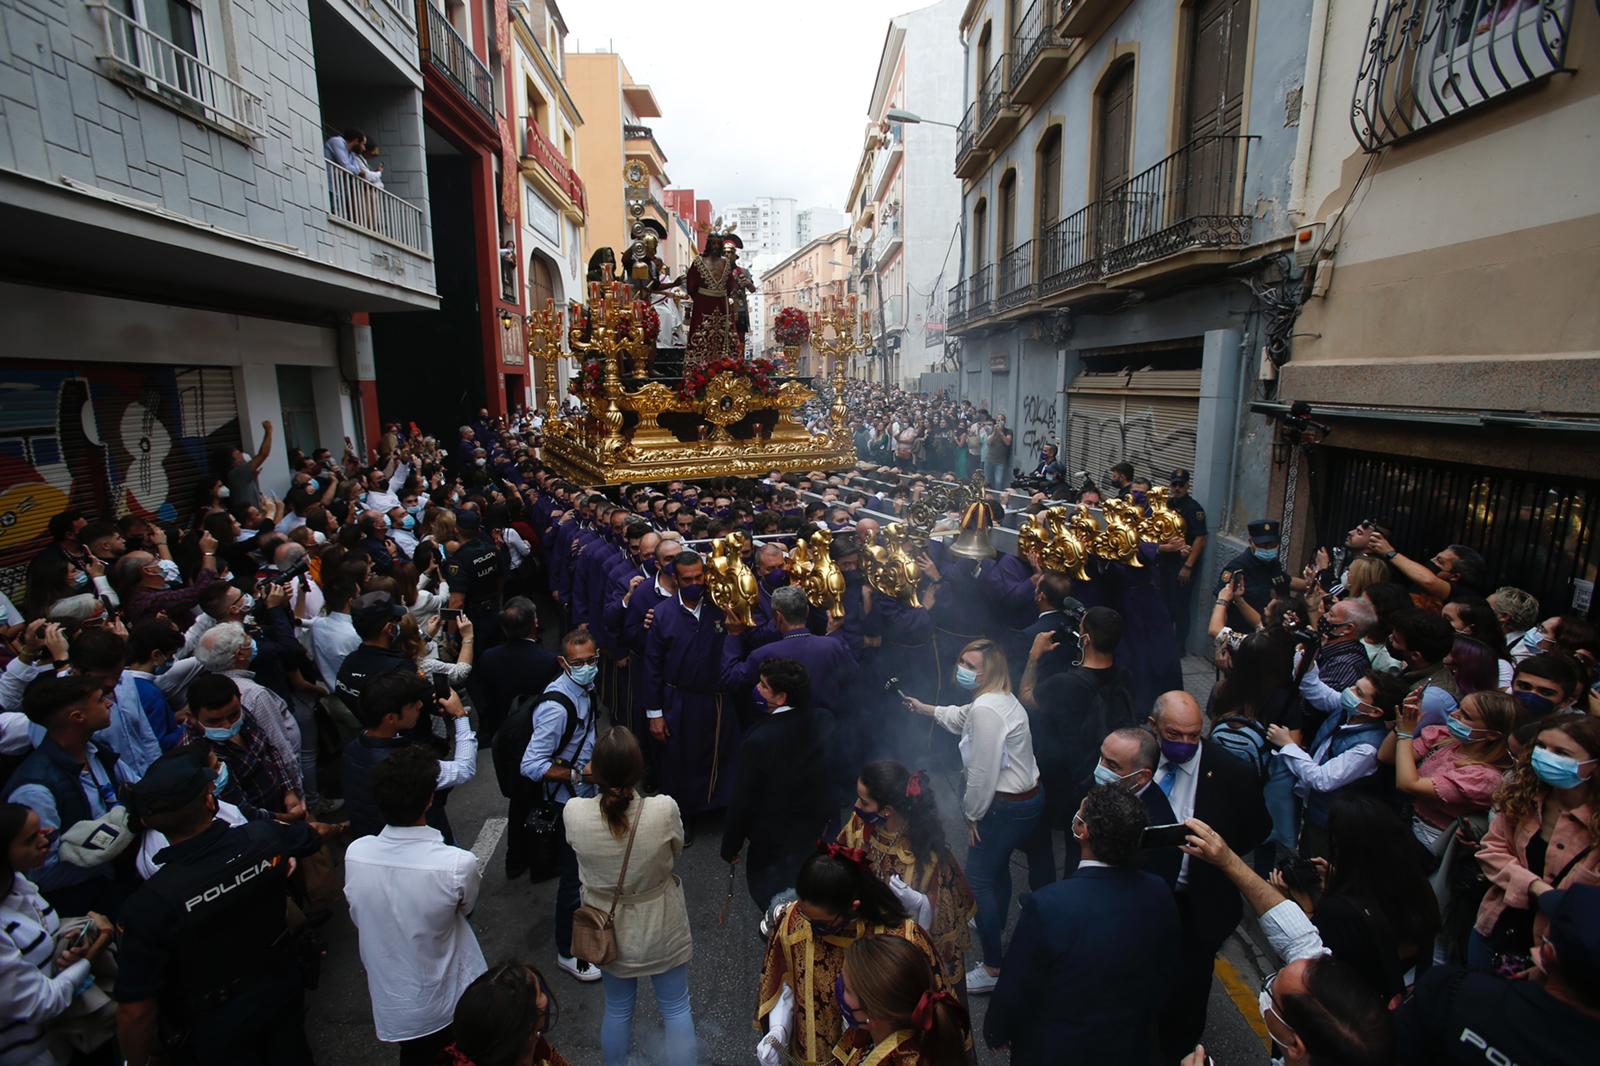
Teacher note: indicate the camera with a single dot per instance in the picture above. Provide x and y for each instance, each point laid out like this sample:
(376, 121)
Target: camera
(1300, 875)
(1066, 634)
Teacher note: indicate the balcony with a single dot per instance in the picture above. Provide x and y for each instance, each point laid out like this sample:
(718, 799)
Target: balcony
(1067, 259)
(997, 115)
(887, 242)
(358, 203)
(955, 310)
(544, 163)
(448, 53)
(970, 160)
(1014, 286)
(980, 292)
(151, 64)
(1039, 51)
(640, 142)
(1079, 18)
(884, 165)
(1191, 199)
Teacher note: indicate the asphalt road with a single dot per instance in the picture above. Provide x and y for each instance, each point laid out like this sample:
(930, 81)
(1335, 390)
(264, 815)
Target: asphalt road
(516, 920)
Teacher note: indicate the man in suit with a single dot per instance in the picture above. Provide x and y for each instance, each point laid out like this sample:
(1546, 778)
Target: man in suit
(1202, 781)
(1091, 958)
(519, 667)
(1051, 593)
(776, 803)
(1128, 759)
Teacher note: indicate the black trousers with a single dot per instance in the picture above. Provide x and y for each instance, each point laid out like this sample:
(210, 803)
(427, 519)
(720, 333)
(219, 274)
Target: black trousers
(263, 1024)
(424, 1050)
(567, 891)
(1184, 1021)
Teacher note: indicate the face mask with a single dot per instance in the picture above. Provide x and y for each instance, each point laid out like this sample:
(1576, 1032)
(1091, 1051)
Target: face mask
(1350, 701)
(224, 492)
(227, 732)
(408, 522)
(313, 485)
(222, 780)
(649, 567)
(1266, 555)
(248, 603)
(870, 817)
(254, 649)
(245, 457)
(1179, 751)
(692, 593)
(833, 928)
(1326, 629)
(1536, 705)
(1264, 1004)
(776, 580)
(966, 677)
(1397, 654)
(846, 1012)
(1458, 729)
(163, 668)
(1556, 770)
(1534, 640)
(81, 581)
(584, 675)
(318, 537)
(1105, 775)
(481, 462)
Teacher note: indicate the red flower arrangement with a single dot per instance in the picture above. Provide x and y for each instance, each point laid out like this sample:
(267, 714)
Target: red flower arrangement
(652, 323)
(761, 373)
(589, 382)
(791, 327)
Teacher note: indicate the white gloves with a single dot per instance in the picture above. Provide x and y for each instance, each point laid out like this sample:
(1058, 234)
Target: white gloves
(769, 1052)
(915, 902)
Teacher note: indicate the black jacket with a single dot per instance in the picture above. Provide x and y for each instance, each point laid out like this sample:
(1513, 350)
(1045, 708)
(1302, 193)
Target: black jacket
(780, 799)
(504, 672)
(1227, 798)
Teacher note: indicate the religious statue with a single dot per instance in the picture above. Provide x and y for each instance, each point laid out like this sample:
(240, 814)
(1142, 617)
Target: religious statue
(739, 289)
(710, 285)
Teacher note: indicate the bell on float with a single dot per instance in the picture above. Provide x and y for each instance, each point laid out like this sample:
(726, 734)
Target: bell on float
(973, 541)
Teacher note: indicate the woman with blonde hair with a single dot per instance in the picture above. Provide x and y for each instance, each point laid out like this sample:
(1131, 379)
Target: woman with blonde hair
(896, 1013)
(1003, 801)
(1365, 572)
(1546, 835)
(1454, 770)
(627, 845)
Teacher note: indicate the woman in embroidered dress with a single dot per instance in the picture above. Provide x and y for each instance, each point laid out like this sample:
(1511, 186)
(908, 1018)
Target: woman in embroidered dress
(840, 902)
(504, 1019)
(897, 1011)
(896, 825)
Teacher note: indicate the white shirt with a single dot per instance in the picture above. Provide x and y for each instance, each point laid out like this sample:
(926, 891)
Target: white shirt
(410, 894)
(34, 993)
(996, 749)
(1181, 798)
(404, 540)
(153, 840)
(1314, 775)
(333, 637)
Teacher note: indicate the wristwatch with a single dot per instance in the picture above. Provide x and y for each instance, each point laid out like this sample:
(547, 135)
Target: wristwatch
(1390, 554)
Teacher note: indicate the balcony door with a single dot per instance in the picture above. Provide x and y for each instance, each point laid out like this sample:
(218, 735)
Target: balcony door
(1114, 119)
(1219, 42)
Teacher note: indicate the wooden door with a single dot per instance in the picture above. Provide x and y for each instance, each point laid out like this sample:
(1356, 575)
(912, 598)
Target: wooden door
(1218, 50)
(1113, 165)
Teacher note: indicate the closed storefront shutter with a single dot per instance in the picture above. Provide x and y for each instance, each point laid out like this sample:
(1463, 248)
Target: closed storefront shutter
(108, 439)
(1145, 417)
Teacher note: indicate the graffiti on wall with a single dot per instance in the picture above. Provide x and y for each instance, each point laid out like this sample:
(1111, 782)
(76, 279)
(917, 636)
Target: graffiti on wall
(107, 440)
(1038, 426)
(1094, 443)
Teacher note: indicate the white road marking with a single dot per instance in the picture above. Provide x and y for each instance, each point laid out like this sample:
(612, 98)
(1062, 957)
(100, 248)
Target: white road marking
(488, 839)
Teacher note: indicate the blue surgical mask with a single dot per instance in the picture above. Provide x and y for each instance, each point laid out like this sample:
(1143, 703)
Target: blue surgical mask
(1105, 775)
(408, 522)
(1458, 729)
(313, 485)
(225, 733)
(222, 780)
(1266, 555)
(81, 580)
(255, 649)
(1534, 640)
(966, 677)
(584, 675)
(1557, 770)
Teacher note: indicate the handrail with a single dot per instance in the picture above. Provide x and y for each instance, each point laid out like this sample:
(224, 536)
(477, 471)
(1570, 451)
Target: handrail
(1015, 285)
(443, 46)
(992, 95)
(178, 76)
(540, 148)
(378, 212)
(1036, 31)
(1192, 197)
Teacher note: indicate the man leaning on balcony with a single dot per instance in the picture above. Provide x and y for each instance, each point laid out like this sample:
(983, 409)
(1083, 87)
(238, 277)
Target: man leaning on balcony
(345, 149)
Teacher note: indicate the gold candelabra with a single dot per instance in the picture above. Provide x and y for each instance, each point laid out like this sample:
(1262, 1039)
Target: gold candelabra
(544, 345)
(616, 328)
(840, 316)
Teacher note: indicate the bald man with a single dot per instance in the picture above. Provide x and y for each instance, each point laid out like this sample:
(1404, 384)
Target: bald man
(1202, 781)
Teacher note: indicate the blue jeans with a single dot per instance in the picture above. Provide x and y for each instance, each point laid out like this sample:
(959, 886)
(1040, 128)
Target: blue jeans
(1007, 827)
(998, 475)
(672, 996)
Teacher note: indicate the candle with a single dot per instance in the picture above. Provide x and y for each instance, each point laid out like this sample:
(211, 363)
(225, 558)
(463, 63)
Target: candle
(866, 320)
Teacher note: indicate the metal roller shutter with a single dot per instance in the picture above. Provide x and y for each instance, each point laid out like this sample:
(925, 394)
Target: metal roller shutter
(1146, 417)
(108, 439)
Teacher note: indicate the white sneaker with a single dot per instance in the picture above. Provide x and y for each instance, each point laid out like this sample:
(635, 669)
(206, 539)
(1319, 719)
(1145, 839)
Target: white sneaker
(582, 970)
(980, 980)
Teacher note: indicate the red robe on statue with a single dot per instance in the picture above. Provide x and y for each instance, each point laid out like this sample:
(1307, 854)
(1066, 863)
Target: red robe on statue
(711, 335)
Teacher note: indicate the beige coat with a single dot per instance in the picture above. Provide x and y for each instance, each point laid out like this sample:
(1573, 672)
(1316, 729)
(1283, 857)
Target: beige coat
(652, 921)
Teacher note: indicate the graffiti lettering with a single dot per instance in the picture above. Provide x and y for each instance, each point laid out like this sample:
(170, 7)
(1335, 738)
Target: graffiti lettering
(1093, 444)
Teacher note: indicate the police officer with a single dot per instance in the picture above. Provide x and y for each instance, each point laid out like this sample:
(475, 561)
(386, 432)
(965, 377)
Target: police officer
(475, 575)
(1259, 568)
(1177, 566)
(205, 955)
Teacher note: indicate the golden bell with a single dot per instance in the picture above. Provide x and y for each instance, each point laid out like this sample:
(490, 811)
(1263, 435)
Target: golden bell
(973, 541)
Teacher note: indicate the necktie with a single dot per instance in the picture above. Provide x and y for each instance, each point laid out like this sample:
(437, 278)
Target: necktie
(1168, 777)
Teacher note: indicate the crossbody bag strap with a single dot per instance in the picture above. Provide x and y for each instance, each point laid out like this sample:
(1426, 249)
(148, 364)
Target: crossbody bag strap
(627, 854)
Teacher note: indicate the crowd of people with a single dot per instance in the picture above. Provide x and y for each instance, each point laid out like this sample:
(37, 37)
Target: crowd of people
(226, 725)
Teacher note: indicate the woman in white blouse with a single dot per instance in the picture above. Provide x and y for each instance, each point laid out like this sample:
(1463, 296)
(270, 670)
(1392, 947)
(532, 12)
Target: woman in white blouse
(44, 971)
(1003, 801)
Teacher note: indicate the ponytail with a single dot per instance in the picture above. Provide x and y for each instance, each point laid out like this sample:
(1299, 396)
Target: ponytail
(892, 785)
(895, 983)
(618, 767)
(836, 878)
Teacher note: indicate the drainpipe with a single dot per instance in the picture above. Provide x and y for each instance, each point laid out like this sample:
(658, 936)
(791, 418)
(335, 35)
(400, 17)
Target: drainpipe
(1310, 89)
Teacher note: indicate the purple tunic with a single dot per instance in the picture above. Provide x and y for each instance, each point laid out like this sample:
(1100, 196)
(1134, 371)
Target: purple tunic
(682, 673)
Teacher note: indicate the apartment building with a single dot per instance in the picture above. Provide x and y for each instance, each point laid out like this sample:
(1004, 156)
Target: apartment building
(614, 144)
(804, 278)
(1447, 332)
(181, 261)
(904, 201)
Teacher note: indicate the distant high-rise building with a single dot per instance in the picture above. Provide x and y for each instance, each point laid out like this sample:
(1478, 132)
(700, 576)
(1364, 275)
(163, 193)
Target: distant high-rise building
(813, 222)
(765, 224)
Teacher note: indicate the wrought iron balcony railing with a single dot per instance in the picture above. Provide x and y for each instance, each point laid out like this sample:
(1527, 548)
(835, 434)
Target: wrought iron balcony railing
(1068, 259)
(955, 312)
(980, 291)
(967, 130)
(1015, 283)
(1427, 61)
(356, 201)
(1189, 199)
(992, 94)
(1036, 31)
(148, 61)
(451, 56)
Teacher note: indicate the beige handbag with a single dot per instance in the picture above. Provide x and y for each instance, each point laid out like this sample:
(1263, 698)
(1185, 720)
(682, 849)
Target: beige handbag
(594, 937)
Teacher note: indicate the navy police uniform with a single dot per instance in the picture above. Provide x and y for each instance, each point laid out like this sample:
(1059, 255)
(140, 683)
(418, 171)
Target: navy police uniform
(1180, 598)
(1259, 574)
(474, 571)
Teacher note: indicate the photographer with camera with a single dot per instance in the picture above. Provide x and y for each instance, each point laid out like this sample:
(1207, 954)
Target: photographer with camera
(1060, 614)
(1070, 713)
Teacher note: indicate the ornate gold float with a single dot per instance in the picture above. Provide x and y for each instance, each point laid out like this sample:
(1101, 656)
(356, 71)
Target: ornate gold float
(731, 429)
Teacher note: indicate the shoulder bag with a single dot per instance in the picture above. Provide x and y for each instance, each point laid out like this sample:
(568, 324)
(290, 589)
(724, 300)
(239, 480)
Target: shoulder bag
(594, 936)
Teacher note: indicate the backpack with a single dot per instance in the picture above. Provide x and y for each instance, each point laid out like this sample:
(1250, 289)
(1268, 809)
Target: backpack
(511, 739)
(1245, 739)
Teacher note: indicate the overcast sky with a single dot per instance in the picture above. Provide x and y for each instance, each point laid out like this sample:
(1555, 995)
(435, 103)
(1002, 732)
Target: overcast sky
(758, 98)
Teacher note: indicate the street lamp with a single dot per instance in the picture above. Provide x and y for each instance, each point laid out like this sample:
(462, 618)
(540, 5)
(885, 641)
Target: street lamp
(897, 114)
